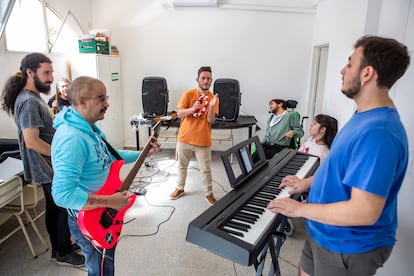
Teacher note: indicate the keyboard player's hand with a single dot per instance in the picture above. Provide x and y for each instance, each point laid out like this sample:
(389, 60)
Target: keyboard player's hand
(299, 185)
(285, 206)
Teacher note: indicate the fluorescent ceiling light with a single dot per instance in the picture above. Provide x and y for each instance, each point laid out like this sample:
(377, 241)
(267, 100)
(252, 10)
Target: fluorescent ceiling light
(194, 3)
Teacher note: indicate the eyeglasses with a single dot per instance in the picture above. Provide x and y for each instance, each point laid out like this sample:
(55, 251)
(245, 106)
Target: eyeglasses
(100, 98)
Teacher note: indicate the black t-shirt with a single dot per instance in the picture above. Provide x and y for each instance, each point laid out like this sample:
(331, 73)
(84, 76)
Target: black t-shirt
(61, 102)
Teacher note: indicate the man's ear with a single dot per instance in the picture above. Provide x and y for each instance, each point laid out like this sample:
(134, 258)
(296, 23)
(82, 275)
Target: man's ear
(367, 73)
(81, 100)
(29, 72)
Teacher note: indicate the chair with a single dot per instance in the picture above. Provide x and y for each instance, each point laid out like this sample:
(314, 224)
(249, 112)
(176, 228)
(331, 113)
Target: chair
(9, 153)
(16, 200)
(10, 190)
(291, 105)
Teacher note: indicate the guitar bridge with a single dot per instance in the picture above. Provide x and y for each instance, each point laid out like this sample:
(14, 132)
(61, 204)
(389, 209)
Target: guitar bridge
(109, 238)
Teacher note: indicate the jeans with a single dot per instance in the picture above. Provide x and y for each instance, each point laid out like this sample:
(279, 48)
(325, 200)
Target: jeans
(56, 223)
(93, 255)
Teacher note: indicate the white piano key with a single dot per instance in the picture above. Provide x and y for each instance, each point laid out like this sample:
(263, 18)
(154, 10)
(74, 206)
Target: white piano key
(257, 229)
(306, 166)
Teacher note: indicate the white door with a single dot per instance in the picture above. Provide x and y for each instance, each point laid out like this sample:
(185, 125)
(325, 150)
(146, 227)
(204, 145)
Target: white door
(318, 80)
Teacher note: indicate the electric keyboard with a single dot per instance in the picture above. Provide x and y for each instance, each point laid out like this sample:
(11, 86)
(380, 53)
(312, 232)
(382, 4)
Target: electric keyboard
(238, 226)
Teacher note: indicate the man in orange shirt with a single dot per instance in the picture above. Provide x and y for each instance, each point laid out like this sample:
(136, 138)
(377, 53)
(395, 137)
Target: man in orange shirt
(197, 109)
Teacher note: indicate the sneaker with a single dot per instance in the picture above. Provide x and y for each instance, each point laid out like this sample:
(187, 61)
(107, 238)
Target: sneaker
(176, 194)
(211, 200)
(70, 259)
(75, 248)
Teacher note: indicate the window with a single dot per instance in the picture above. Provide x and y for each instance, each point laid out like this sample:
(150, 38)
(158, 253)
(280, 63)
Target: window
(5, 10)
(25, 30)
(34, 26)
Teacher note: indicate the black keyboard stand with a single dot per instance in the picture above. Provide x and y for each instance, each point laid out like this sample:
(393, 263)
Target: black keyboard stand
(273, 246)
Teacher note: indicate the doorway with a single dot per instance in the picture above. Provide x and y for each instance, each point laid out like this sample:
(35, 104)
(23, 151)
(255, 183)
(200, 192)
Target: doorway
(320, 60)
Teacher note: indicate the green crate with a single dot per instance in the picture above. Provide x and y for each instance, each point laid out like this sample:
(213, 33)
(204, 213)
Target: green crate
(94, 46)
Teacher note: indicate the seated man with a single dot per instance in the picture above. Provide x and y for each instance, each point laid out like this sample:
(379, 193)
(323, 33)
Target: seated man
(282, 126)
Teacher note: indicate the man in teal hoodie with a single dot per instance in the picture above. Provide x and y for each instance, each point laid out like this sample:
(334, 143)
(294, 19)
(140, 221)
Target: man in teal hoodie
(82, 159)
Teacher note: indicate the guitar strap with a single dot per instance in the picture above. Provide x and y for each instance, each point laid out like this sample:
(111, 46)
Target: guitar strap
(112, 150)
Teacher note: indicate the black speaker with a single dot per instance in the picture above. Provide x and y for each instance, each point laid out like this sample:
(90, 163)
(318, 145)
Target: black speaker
(155, 96)
(230, 98)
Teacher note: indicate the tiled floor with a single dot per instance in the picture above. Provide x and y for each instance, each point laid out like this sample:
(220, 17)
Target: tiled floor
(153, 240)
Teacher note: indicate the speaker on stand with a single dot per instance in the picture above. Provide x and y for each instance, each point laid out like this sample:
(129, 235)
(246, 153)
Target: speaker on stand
(229, 94)
(155, 96)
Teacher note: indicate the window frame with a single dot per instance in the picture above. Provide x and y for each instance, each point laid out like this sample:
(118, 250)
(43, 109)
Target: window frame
(51, 34)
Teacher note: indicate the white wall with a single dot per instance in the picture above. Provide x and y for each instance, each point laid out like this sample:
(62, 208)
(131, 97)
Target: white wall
(267, 52)
(349, 24)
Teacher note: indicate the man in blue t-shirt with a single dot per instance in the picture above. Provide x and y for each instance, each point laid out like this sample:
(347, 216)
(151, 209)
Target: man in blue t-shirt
(352, 207)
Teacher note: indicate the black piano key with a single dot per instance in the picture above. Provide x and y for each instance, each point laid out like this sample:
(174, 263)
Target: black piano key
(292, 167)
(277, 179)
(271, 190)
(273, 183)
(301, 157)
(297, 163)
(268, 196)
(245, 219)
(247, 214)
(289, 171)
(258, 202)
(253, 209)
(230, 231)
(238, 225)
(272, 187)
(284, 174)
(258, 198)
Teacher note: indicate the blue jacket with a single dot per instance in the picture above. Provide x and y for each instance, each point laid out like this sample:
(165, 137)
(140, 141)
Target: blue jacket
(80, 159)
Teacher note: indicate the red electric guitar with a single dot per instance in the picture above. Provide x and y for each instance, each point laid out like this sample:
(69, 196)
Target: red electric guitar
(104, 225)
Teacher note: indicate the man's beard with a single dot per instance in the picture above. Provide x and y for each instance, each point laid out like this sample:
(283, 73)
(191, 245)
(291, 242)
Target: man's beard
(353, 90)
(41, 87)
(204, 87)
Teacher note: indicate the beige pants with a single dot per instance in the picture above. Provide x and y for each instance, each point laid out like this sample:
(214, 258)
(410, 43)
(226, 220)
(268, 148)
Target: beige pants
(203, 156)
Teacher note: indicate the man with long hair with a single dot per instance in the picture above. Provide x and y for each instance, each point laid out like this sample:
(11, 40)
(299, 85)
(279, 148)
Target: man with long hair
(21, 99)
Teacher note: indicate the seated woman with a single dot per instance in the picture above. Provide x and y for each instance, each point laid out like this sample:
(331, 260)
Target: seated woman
(321, 135)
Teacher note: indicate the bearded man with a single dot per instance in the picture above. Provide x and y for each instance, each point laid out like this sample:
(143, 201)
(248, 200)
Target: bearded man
(21, 99)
